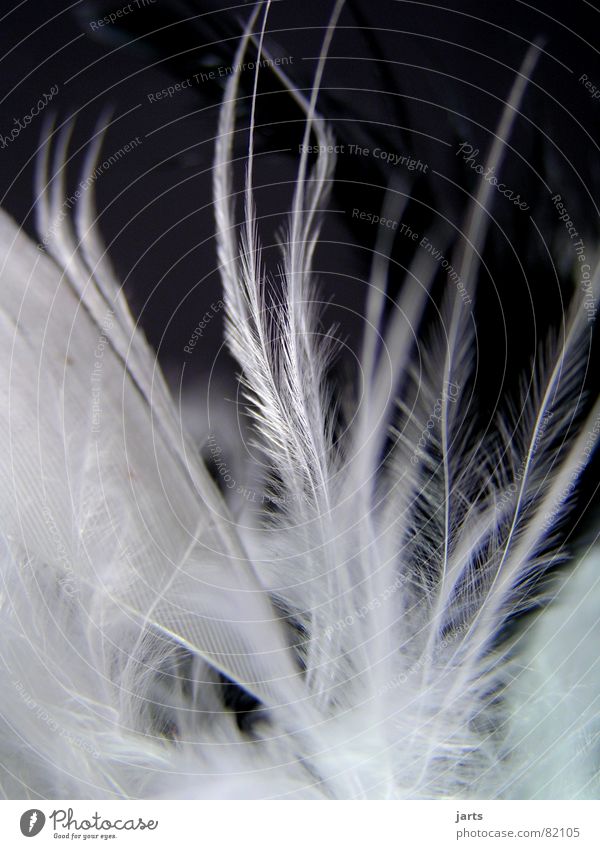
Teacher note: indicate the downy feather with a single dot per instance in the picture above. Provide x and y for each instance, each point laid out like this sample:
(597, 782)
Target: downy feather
(365, 621)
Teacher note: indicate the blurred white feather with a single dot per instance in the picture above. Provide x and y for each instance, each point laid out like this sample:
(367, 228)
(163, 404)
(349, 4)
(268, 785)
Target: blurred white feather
(363, 623)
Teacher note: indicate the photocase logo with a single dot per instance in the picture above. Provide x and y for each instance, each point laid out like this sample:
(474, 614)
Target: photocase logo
(32, 822)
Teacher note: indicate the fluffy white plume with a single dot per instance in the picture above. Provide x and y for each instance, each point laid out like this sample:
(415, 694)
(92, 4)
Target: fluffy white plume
(352, 642)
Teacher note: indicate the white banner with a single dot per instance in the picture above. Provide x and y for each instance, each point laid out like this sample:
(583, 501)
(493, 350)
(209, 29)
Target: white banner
(302, 825)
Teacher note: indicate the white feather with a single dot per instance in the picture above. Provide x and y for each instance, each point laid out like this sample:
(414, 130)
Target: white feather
(366, 615)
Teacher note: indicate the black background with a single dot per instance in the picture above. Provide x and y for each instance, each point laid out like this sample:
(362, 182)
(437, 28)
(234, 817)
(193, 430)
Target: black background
(412, 77)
